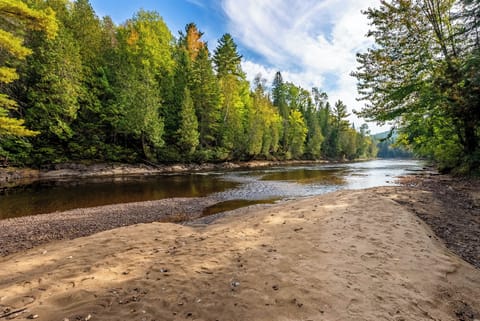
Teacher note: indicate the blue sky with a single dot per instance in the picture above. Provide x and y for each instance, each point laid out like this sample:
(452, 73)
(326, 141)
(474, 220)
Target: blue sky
(312, 42)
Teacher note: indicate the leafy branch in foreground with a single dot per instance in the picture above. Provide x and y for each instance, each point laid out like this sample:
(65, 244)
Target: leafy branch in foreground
(423, 74)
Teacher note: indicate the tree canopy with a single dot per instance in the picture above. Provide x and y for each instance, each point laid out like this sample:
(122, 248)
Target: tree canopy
(90, 90)
(423, 75)
(15, 18)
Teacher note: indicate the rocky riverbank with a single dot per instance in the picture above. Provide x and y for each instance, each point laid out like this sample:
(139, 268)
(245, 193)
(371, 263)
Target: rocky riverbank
(11, 176)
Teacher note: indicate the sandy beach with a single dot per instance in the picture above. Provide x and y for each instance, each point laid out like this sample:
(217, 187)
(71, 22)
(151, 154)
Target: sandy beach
(348, 255)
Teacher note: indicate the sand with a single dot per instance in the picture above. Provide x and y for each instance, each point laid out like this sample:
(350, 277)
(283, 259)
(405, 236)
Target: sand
(349, 255)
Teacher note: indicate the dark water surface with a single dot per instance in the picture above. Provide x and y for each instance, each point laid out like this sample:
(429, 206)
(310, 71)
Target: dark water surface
(232, 189)
(47, 197)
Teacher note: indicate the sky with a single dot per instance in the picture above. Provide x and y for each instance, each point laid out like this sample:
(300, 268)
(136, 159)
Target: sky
(313, 43)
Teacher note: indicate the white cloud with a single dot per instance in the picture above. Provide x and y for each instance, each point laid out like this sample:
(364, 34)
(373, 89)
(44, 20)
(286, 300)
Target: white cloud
(307, 40)
(197, 3)
(304, 78)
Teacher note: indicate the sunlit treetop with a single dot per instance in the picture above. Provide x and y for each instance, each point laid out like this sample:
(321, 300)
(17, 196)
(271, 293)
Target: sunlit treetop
(15, 18)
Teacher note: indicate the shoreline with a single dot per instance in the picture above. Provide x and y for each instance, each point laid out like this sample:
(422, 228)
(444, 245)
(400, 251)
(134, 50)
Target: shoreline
(346, 255)
(26, 232)
(13, 176)
(449, 205)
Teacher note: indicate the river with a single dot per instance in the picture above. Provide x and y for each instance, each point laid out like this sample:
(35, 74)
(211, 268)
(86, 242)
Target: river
(231, 188)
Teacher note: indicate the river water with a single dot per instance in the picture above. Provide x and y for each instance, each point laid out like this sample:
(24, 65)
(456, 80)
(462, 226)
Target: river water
(232, 188)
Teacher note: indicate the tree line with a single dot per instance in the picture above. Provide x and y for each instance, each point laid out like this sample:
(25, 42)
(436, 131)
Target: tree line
(81, 88)
(424, 75)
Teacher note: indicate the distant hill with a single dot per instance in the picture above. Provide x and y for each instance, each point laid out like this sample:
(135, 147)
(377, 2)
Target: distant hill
(385, 148)
(384, 135)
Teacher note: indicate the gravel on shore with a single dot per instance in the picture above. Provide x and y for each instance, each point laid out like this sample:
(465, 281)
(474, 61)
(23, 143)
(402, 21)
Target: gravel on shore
(22, 233)
(450, 206)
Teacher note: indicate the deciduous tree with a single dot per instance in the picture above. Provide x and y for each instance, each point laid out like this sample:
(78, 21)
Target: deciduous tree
(15, 18)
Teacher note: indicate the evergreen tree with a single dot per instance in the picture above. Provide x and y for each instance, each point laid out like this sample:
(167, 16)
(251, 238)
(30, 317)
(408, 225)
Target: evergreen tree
(53, 91)
(234, 90)
(173, 106)
(279, 95)
(204, 87)
(188, 136)
(226, 58)
(339, 115)
(314, 138)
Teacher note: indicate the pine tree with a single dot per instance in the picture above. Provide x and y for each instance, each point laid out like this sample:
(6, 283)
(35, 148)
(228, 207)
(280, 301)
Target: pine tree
(226, 58)
(234, 91)
(279, 95)
(340, 114)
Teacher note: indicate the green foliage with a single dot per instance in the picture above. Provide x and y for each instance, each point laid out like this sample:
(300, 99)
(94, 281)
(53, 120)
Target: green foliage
(340, 114)
(188, 136)
(226, 58)
(173, 103)
(233, 96)
(15, 18)
(234, 91)
(15, 150)
(138, 103)
(423, 75)
(296, 134)
(132, 93)
(205, 89)
(279, 95)
(55, 72)
(315, 140)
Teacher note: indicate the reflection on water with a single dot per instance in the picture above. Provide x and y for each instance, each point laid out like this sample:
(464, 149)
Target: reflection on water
(235, 189)
(378, 172)
(46, 197)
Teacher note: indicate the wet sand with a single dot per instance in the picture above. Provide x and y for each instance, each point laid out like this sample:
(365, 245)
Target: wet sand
(348, 255)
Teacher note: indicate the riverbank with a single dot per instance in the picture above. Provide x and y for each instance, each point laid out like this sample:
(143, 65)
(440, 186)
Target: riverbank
(348, 255)
(12, 176)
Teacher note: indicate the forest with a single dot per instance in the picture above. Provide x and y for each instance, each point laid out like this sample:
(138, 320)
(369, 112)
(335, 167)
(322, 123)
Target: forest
(76, 87)
(423, 74)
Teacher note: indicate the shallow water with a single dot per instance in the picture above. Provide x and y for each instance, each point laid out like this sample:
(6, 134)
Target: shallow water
(51, 196)
(233, 188)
